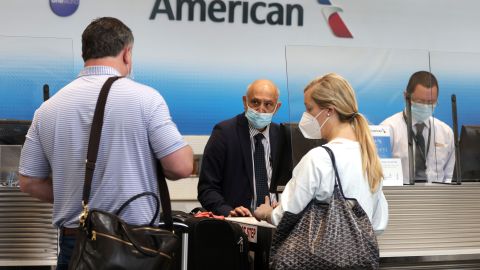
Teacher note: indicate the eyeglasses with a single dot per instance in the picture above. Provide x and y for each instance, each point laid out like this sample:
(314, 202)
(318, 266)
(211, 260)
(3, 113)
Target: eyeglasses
(257, 104)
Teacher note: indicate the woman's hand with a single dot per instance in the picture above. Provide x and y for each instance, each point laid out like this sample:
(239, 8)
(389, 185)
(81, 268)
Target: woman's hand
(264, 211)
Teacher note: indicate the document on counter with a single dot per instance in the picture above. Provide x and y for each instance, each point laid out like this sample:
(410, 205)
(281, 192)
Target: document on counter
(250, 221)
(250, 226)
(392, 172)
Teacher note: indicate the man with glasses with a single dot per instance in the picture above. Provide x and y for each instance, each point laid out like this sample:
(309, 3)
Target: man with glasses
(434, 151)
(237, 160)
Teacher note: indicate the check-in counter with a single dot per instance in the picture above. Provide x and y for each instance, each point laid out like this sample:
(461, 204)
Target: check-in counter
(27, 236)
(432, 226)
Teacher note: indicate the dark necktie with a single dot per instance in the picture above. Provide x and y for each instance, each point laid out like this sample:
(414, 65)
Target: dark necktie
(261, 179)
(420, 154)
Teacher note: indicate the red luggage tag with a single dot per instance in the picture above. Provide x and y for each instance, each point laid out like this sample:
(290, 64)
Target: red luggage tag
(208, 215)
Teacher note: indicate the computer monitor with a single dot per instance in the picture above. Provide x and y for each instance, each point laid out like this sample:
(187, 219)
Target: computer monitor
(13, 132)
(292, 146)
(469, 153)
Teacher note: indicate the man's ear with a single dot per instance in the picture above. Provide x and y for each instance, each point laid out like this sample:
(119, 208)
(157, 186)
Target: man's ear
(127, 55)
(244, 98)
(279, 104)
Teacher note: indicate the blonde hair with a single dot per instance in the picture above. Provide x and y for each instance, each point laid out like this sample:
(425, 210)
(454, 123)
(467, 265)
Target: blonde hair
(333, 90)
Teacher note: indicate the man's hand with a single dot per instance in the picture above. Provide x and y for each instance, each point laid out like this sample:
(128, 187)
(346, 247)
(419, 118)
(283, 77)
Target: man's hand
(240, 212)
(39, 188)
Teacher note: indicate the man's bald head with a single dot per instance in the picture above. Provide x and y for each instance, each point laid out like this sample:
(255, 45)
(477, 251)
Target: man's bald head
(262, 85)
(262, 96)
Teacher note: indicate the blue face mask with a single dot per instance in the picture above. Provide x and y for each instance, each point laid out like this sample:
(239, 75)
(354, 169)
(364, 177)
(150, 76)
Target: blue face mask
(258, 120)
(421, 112)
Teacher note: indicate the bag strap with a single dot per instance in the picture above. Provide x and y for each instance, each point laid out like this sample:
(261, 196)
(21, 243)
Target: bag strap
(334, 164)
(92, 153)
(95, 135)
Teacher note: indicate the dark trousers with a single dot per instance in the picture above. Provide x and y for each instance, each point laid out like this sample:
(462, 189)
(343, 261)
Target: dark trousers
(66, 248)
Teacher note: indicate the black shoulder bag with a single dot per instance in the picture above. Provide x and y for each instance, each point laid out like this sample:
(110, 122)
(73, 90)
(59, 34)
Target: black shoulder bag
(104, 240)
(337, 235)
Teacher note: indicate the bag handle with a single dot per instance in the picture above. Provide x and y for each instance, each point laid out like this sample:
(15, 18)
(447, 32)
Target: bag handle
(334, 164)
(157, 204)
(92, 153)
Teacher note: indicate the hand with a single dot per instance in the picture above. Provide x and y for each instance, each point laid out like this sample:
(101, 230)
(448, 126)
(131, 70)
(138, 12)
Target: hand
(240, 212)
(264, 210)
(274, 204)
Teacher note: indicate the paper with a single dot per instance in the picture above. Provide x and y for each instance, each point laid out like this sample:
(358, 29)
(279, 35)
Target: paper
(250, 221)
(392, 171)
(250, 226)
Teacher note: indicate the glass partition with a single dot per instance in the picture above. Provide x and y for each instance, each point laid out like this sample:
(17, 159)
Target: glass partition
(380, 78)
(26, 65)
(458, 77)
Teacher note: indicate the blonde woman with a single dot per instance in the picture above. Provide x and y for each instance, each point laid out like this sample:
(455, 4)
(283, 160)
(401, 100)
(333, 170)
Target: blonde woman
(332, 114)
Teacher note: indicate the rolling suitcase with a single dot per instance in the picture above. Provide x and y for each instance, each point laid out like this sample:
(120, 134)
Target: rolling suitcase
(180, 261)
(209, 243)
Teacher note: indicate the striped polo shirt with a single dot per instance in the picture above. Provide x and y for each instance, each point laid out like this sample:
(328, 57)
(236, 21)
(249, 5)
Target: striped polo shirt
(137, 129)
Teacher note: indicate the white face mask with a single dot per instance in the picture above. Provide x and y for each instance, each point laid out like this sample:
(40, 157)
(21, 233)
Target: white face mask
(421, 112)
(309, 126)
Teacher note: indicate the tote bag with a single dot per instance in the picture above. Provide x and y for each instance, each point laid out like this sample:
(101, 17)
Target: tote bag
(338, 235)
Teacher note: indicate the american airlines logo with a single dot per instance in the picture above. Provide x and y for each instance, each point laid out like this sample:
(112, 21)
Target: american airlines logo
(219, 11)
(257, 12)
(332, 16)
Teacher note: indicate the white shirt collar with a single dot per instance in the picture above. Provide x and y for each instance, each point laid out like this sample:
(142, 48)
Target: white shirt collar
(99, 70)
(253, 131)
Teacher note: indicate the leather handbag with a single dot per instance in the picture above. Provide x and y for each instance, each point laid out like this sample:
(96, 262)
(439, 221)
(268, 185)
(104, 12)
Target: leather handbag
(104, 240)
(337, 235)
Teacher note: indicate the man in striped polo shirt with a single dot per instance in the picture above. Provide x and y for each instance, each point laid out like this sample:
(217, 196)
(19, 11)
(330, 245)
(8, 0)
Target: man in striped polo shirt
(137, 130)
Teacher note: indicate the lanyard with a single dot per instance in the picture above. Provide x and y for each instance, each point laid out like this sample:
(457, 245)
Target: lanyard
(415, 139)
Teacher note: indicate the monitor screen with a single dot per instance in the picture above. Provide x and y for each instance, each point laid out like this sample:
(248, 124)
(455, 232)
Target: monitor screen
(469, 153)
(292, 146)
(13, 132)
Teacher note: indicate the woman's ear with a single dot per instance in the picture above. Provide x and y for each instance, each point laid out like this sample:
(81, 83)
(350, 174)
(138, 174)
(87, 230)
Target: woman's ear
(330, 111)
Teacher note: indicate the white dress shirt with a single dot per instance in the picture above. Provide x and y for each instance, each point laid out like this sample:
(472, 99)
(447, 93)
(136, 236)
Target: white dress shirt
(268, 161)
(314, 178)
(441, 150)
